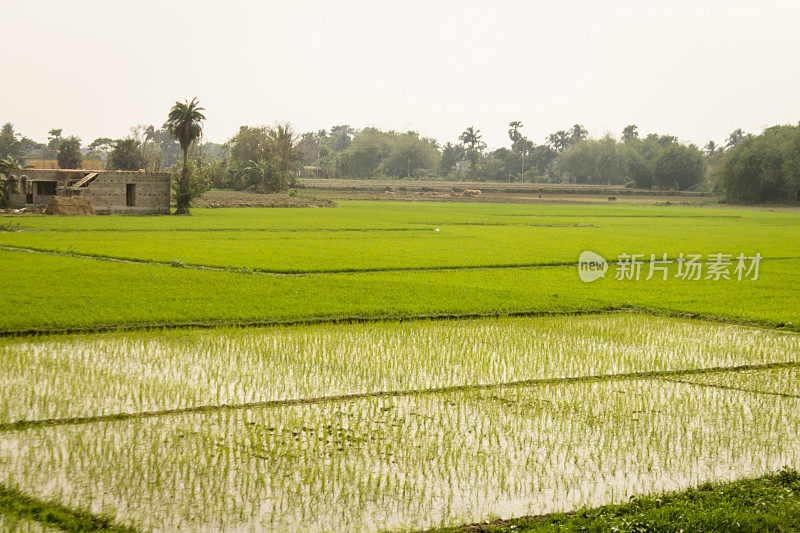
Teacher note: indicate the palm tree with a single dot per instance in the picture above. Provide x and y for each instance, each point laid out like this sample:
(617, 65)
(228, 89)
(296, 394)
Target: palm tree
(630, 133)
(559, 140)
(513, 133)
(578, 133)
(711, 148)
(286, 155)
(472, 138)
(184, 123)
(734, 139)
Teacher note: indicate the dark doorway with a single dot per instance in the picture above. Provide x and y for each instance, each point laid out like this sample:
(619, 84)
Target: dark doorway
(130, 194)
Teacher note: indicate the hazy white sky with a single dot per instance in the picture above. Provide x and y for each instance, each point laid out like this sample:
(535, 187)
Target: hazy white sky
(695, 69)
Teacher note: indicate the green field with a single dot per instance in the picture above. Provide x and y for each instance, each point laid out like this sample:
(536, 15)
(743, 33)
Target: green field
(406, 365)
(375, 237)
(369, 259)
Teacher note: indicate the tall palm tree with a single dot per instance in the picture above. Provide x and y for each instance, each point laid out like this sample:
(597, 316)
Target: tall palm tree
(286, 155)
(472, 139)
(734, 139)
(513, 133)
(185, 124)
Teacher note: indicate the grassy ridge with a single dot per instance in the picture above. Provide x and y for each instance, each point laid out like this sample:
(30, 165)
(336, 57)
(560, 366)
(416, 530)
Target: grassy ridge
(770, 503)
(17, 508)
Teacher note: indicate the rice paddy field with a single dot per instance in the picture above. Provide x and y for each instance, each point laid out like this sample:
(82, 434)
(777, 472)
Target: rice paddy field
(388, 366)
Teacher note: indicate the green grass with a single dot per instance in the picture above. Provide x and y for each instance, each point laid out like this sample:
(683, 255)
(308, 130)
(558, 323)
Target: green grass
(766, 504)
(393, 236)
(21, 510)
(47, 291)
(64, 292)
(376, 214)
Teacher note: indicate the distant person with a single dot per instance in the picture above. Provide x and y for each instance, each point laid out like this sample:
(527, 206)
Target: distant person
(540, 192)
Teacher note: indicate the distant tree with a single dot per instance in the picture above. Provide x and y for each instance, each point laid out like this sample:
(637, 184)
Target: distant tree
(326, 160)
(764, 167)
(408, 154)
(542, 158)
(219, 174)
(579, 163)
(28, 145)
(8, 185)
(54, 138)
(513, 131)
(635, 168)
(341, 137)
(711, 148)
(559, 140)
(126, 155)
(101, 144)
(451, 154)
(310, 144)
(259, 175)
(520, 145)
(363, 157)
(249, 144)
(471, 139)
(286, 156)
(578, 133)
(609, 161)
(159, 148)
(185, 124)
(592, 161)
(734, 139)
(69, 153)
(678, 167)
(10, 146)
(630, 133)
(660, 140)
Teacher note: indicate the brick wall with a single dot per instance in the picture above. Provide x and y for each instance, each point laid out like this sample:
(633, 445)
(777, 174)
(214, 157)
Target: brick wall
(107, 192)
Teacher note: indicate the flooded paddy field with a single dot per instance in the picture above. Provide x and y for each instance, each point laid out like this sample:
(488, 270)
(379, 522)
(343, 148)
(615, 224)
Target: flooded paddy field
(392, 425)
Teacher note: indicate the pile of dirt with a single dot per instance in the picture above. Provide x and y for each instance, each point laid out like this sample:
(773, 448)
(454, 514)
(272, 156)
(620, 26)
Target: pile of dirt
(69, 205)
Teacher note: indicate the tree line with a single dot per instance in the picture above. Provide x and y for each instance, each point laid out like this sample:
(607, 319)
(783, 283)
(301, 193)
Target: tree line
(747, 168)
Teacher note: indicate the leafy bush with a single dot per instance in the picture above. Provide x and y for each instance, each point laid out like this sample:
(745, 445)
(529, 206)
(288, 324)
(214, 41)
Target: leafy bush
(190, 183)
(765, 167)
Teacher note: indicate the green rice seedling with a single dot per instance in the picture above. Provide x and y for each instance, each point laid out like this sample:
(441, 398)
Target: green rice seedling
(414, 461)
(91, 375)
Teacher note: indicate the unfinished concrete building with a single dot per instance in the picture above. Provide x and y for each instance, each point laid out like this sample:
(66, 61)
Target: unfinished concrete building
(108, 191)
